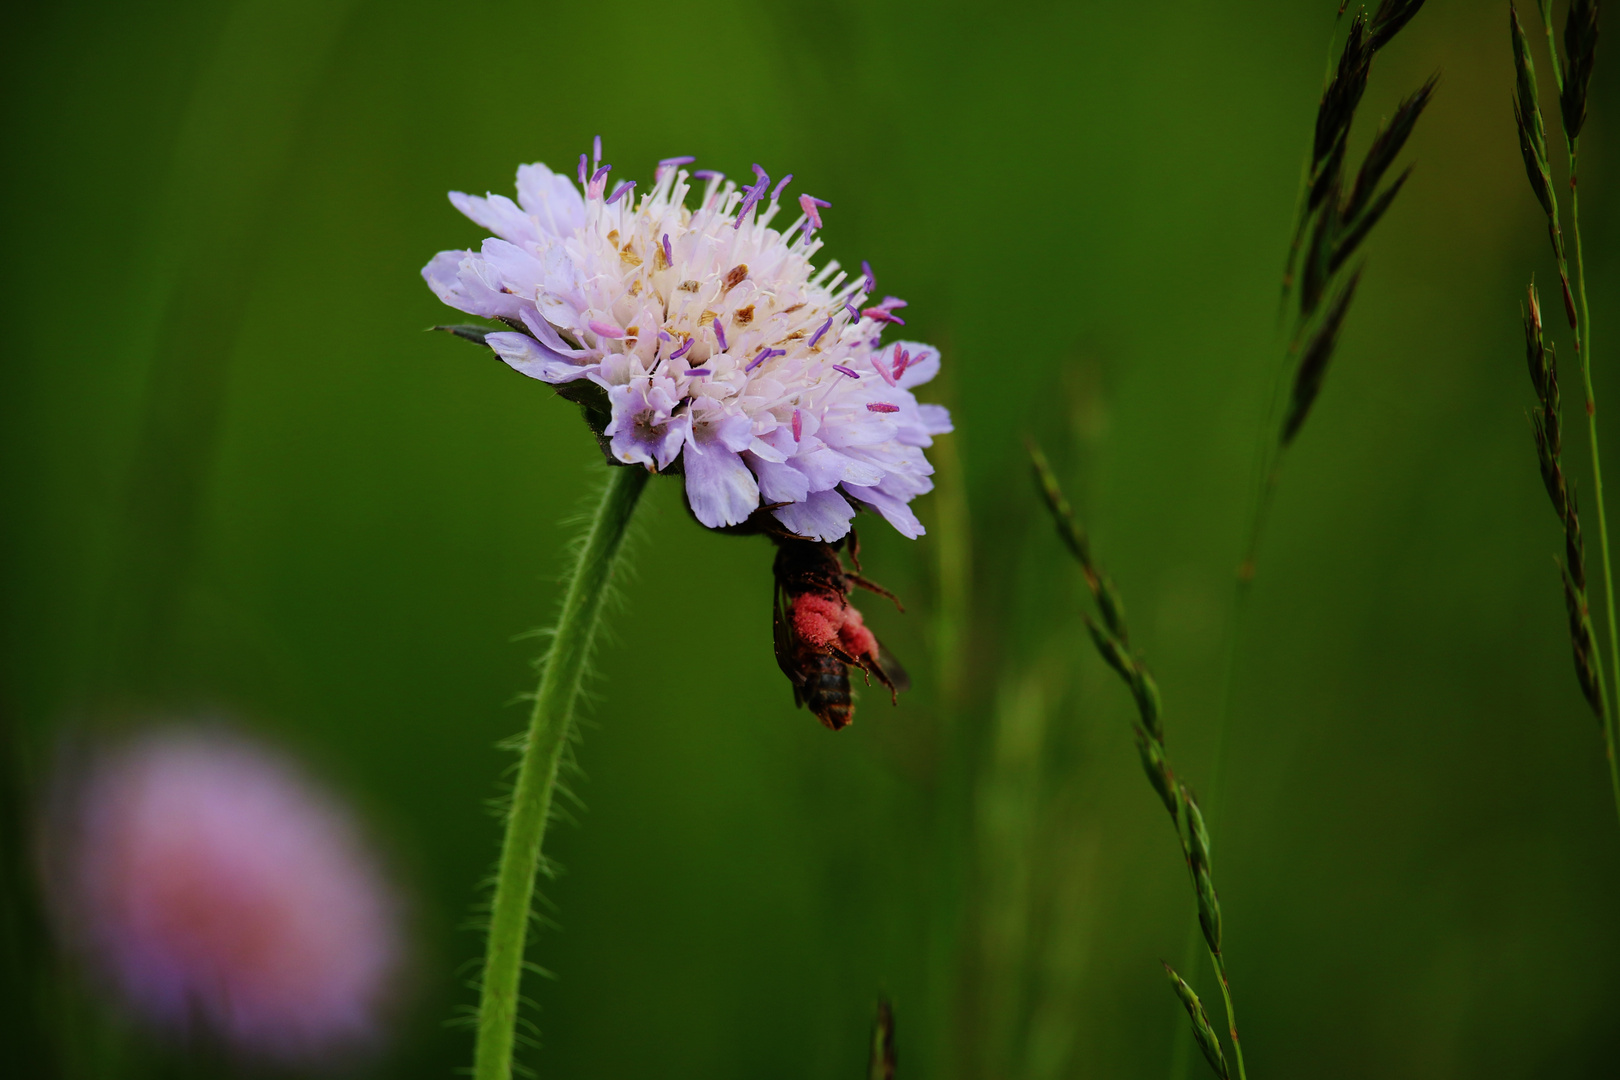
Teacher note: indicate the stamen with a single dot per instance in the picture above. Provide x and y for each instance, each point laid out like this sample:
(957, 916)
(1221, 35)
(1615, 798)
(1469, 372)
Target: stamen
(663, 335)
(902, 360)
(582, 180)
(798, 426)
(669, 255)
(596, 150)
(620, 190)
(603, 170)
(762, 357)
(605, 329)
(854, 312)
(812, 208)
(883, 315)
(892, 303)
(871, 280)
(877, 365)
(686, 347)
(669, 163)
(780, 184)
(881, 407)
(824, 328)
(708, 174)
(847, 371)
(699, 371)
(720, 335)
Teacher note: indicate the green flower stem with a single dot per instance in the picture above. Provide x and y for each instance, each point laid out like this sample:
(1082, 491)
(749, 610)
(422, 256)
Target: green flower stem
(549, 727)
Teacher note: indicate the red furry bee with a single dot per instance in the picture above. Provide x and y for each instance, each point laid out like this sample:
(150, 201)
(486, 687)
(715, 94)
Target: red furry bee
(819, 634)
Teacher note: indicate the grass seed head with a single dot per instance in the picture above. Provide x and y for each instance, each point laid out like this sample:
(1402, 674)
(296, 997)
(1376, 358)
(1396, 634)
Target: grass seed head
(1580, 48)
(1202, 1031)
(1314, 364)
(1580, 639)
(1389, 19)
(1527, 115)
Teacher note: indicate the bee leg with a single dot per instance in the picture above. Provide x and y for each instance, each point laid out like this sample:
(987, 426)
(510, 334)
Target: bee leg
(853, 542)
(874, 587)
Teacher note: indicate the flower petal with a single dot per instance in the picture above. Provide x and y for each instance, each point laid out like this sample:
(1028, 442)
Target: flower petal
(522, 353)
(719, 487)
(824, 516)
(551, 199)
(498, 214)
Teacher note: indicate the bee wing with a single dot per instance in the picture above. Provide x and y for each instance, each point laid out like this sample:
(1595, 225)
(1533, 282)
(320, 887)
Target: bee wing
(782, 638)
(889, 670)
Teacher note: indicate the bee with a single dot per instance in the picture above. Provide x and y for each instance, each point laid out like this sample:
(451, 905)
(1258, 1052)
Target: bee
(819, 635)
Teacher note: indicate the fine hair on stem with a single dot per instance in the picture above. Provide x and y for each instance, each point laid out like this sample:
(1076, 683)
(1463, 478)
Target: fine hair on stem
(551, 723)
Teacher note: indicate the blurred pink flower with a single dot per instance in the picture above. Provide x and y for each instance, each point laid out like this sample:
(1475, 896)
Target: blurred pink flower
(211, 885)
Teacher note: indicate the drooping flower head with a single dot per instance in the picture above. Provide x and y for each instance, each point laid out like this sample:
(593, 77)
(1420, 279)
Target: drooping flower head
(208, 884)
(723, 352)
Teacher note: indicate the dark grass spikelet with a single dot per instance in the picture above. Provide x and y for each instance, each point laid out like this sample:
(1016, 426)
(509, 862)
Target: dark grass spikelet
(1338, 213)
(1202, 1031)
(1313, 363)
(1547, 425)
(1580, 48)
(1113, 646)
(1533, 147)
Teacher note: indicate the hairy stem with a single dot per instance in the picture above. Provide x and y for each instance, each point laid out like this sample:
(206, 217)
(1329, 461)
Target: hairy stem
(549, 726)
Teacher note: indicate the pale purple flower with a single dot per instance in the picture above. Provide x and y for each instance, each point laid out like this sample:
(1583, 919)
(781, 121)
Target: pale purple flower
(208, 884)
(724, 352)
(645, 429)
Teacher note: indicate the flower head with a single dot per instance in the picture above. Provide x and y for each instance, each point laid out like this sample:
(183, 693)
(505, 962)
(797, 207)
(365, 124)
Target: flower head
(208, 883)
(723, 352)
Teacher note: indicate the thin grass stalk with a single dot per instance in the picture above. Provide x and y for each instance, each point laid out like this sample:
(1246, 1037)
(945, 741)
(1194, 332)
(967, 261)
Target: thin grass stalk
(1317, 200)
(550, 724)
(1112, 641)
(1583, 350)
(1580, 36)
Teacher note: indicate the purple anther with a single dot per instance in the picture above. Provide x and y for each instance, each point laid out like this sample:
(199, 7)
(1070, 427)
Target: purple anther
(603, 170)
(780, 184)
(763, 177)
(902, 360)
(628, 185)
(798, 426)
(854, 312)
(720, 335)
(812, 208)
(669, 254)
(708, 174)
(605, 329)
(674, 163)
(824, 328)
(765, 354)
(697, 371)
(892, 303)
(686, 347)
(883, 315)
(851, 372)
(596, 149)
(871, 279)
(754, 194)
(881, 406)
(582, 166)
(663, 335)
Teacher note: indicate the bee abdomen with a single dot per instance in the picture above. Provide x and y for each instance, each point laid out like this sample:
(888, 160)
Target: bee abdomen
(826, 691)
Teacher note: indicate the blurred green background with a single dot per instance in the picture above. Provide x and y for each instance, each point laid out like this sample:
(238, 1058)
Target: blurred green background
(238, 479)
